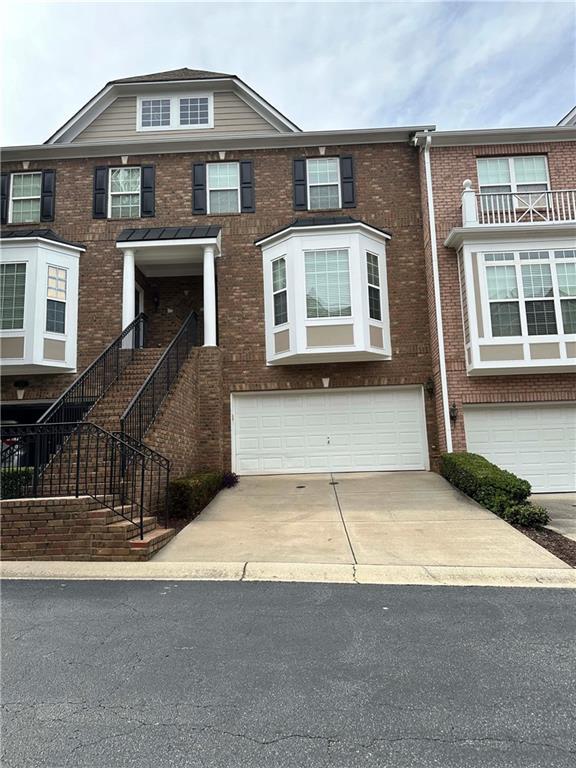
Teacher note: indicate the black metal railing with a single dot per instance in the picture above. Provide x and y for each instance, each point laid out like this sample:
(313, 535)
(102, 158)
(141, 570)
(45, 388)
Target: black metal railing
(143, 409)
(81, 459)
(83, 394)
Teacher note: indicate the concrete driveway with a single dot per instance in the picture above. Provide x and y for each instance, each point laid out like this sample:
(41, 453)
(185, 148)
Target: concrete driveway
(562, 510)
(377, 518)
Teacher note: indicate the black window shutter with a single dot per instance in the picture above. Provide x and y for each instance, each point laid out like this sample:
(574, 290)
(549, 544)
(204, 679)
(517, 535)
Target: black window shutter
(4, 181)
(199, 188)
(147, 191)
(100, 201)
(300, 190)
(247, 202)
(47, 195)
(347, 182)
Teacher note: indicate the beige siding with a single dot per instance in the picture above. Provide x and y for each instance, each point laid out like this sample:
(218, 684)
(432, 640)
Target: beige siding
(118, 121)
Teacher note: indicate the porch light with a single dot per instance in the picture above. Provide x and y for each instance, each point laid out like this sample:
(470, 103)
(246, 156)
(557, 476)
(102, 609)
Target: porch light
(20, 387)
(326, 382)
(453, 412)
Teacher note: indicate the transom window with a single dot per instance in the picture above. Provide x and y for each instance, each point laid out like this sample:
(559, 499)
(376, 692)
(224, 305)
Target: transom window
(534, 294)
(194, 111)
(323, 182)
(12, 292)
(327, 283)
(56, 301)
(517, 175)
(223, 188)
(279, 291)
(374, 304)
(25, 198)
(155, 113)
(124, 194)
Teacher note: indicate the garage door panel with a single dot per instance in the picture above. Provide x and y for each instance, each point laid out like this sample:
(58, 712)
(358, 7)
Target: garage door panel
(376, 429)
(537, 443)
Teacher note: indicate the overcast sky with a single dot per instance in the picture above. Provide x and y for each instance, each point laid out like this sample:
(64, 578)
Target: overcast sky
(324, 65)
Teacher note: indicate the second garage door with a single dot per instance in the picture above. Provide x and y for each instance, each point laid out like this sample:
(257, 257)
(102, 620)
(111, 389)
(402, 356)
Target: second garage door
(358, 430)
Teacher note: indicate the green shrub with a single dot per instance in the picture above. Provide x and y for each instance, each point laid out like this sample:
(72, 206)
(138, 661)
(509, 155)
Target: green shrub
(14, 482)
(496, 489)
(189, 495)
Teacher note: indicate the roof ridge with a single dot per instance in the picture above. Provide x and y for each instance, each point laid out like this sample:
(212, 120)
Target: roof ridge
(183, 73)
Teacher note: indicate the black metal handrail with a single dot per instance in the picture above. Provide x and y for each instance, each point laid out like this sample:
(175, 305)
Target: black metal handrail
(83, 394)
(143, 409)
(80, 459)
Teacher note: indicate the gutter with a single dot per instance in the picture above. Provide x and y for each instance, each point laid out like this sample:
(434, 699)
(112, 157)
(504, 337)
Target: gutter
(437, 305)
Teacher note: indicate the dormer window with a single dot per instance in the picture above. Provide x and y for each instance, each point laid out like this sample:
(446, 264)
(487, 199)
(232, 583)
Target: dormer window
(175, 111)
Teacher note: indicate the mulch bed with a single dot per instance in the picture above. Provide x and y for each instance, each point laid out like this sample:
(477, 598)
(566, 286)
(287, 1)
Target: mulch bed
(554, 542)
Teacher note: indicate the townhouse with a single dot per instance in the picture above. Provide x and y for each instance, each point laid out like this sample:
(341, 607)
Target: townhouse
(292, 301)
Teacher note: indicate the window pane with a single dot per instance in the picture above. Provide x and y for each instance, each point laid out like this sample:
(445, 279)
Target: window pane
(125, 207)
(327, 283)
(373, 269)
(280, 308)
(565, 254)
(323, 170)
(155, 112)
(537, 280)
(493, 171)
(566, 279)
(569, 315)
(530, 170)
(55, 316)
(224, 201)
(534, 255)
(57, 283)
(374, 303)
(194, 111)
(223, 176)
(505, 319)
(12, 289)
(502, 282)
(279, 274)
(125, 180)
(324, 197)
(25, 211)
(541, 318)
(508, 256)
(26, 184)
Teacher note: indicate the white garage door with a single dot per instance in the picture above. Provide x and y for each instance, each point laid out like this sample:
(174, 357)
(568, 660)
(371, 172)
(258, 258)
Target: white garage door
(537, 443)
(329, 430)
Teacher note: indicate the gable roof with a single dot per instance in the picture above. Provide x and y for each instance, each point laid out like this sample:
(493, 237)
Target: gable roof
(570, 118)
(172, 74)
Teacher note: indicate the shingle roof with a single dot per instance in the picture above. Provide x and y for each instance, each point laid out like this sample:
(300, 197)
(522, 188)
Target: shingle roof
(45, 234)
(168, 233)
(322, 221)
(173, 74)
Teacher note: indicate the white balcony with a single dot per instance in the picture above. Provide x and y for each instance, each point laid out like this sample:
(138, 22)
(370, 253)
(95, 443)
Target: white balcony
(556, 206)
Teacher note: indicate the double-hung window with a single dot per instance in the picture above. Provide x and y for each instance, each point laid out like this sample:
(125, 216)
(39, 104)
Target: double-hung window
(531, 293)
(12, 292)
(374, 303)
(279, 291)
(56, 300)
(124, 194)
(327, 283)
(323, 176)
(25, 196)
(520, 181)
(223, 187)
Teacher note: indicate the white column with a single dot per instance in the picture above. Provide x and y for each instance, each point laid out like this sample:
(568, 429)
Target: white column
(469, 209)
(209, 297)
(128, 293)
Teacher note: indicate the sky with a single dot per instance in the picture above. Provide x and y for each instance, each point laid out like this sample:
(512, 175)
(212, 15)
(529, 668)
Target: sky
(325, 65)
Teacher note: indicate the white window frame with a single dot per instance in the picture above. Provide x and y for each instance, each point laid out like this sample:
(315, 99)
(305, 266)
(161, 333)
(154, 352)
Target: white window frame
(512, 171)
(375, 287)
(175, 111)
(8, 331)
(222, 189)
(56, 334)
(280, 290)
(324, 183)
(29, 197)
(115, 194)
(517, 262)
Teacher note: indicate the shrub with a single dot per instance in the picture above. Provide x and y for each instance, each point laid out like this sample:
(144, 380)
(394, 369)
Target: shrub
(496, 489)
(229, 480)
(14, 482)
(189, 495)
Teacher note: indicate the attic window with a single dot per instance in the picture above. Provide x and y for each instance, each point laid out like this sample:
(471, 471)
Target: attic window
(155, 113)
(175, 111)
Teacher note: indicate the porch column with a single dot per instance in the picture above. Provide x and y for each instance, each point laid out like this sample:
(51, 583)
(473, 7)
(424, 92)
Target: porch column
(209, 297)
(128, 288)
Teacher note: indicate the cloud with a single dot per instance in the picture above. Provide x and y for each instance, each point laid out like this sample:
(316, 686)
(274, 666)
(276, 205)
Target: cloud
(325, 65)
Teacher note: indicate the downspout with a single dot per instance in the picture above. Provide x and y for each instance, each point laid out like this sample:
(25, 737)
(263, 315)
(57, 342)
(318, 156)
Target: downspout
(437, 305)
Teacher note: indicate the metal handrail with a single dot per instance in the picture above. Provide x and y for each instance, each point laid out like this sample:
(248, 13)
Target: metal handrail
(146, 403)
(82, 395)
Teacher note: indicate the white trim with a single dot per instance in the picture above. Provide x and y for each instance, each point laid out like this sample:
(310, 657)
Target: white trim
(31, 197)
(54, 243)
(285, 324)
(459, 236)
(168, 243)
(437, 297)
(489, 136)
(174, 98)
(323, 229)
(141, 295)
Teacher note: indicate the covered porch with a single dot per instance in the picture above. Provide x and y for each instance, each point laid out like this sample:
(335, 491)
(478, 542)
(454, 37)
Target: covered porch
(169, 272)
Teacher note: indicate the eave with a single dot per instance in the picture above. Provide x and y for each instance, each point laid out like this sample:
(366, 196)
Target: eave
(499, 232)
(497, 136)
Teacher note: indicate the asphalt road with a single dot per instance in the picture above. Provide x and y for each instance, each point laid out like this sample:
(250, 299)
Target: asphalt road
(240, 675)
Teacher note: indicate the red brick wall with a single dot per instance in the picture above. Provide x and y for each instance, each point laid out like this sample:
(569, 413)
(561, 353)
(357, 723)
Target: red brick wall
(450, 167)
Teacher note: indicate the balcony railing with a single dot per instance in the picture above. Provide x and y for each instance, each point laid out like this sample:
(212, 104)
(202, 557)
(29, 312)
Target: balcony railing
(553, 206)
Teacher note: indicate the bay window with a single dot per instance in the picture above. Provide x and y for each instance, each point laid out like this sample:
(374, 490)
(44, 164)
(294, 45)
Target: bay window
(373, 270)
(279, 291)
(327, 283)
(12, 292)
(56, 301)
